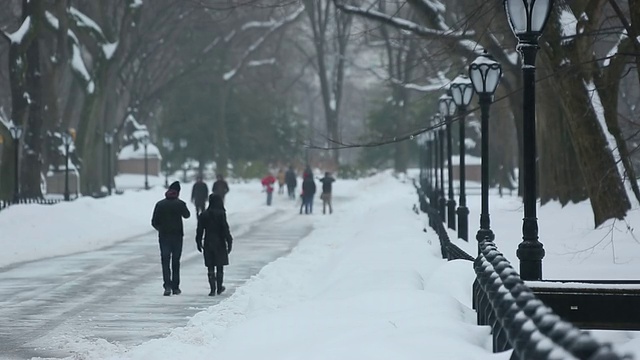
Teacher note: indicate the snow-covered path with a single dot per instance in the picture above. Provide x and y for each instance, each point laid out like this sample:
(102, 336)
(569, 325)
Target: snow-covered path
(115, 293)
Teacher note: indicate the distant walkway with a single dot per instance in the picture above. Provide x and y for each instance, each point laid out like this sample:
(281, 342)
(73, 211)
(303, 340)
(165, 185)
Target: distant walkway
(116, 293)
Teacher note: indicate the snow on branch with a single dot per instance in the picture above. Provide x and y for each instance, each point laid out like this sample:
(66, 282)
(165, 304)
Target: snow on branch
(270, 61)
(17, 36)
(77, 64)
(83, 21)
(404, 24)
(256, 44)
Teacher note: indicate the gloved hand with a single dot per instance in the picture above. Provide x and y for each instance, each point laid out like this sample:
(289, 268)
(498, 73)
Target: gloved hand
(228, 248)
(199, 245)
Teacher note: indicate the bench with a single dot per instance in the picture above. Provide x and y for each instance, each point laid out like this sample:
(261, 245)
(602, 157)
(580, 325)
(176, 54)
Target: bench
(592, 304)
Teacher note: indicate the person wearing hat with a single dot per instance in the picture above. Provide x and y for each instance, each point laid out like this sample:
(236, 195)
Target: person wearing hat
(167, 219)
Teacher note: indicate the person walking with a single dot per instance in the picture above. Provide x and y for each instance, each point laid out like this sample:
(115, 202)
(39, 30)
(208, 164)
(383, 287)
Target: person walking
(220, 187)
(213, 225)
(167, 220)
(308, 191)
(267, 184)
(292, 182)
(327, 182)
(199, 194)
(281, 177)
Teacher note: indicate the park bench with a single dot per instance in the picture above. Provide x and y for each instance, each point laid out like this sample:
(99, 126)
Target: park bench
(592, 304)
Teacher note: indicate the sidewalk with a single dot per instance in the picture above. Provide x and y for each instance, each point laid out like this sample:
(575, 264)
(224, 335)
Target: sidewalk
(367, 283)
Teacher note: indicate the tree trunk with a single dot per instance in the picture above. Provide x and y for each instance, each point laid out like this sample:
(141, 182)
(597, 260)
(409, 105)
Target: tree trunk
(558, 165)
(33, 137)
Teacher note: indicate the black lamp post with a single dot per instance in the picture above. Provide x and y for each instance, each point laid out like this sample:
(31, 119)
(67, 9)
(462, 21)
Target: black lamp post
(527, 19)
(108, 139)
(435, 195)
(485, 75)
(185, 166)
(439, 133)
(66, 141)
(447, 109)
(16, 134)
(462, 92)
(145, 142)
(168, 146)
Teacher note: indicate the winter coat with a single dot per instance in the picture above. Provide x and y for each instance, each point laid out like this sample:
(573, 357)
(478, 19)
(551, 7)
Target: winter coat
(290, 178)
(200, 192)
(308, 186)
(220, 187)
(268, 182)
(326, 184)
(212, 223)
(168, 214)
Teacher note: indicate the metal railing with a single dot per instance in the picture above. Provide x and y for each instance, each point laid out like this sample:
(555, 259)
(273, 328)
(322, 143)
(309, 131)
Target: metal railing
(40, 201)
(518, 319)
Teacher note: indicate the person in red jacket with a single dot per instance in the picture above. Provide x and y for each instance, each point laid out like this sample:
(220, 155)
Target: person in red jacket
(267, 184)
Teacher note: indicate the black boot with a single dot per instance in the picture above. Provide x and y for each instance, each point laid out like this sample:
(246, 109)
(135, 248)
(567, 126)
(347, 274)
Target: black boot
(219, 278)
(212, 284)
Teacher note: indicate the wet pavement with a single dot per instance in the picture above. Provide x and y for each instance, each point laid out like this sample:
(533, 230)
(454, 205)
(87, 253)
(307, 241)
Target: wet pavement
(115, 293)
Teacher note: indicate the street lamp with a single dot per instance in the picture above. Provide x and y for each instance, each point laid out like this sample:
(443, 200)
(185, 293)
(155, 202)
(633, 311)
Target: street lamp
(66, 141)
(185, 166)
(145, 142)
(436, 166)
(108, 139)
(527, 19)
(441, 136)
(485, 75)
(167, 145)
(447, 109)
(462, 92)
(16, 134)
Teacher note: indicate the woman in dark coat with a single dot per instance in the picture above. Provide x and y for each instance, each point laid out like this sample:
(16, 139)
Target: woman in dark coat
(217, 241)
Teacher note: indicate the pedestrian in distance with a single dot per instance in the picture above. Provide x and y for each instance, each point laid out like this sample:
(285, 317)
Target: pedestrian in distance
(281, 178)
(213, 226)
(199, 194)
(167, 220)
(308, 192)
(327, 182)
(292, 182)
(220, 187)
(267, 184)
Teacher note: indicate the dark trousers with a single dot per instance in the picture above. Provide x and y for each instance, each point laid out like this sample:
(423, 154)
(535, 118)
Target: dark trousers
(200, 206)
(216, 277)
(170, 252)
(291, 190)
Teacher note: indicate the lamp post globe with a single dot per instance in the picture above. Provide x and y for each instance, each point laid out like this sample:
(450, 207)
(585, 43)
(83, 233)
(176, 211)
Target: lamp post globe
(108, 139)
(145, 140)
(527, 19)
(66, 141)
(16, 134)
(485, 74)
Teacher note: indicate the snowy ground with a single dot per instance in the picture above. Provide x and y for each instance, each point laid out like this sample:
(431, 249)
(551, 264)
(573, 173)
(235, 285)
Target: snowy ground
(366, 283)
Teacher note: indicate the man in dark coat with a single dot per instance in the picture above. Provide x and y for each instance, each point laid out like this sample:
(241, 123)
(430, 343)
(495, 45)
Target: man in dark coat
(167, 219)
(199, 194)
(327, 182)
(291, 181)
(220, 187)
(308, 191)
(217, 242)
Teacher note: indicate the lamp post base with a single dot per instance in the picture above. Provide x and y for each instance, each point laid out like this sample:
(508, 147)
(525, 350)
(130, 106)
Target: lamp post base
(463, 223)
(442, 207)
(451, 214)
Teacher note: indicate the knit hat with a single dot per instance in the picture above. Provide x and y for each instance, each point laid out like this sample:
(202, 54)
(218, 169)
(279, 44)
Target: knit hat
(175, 186)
